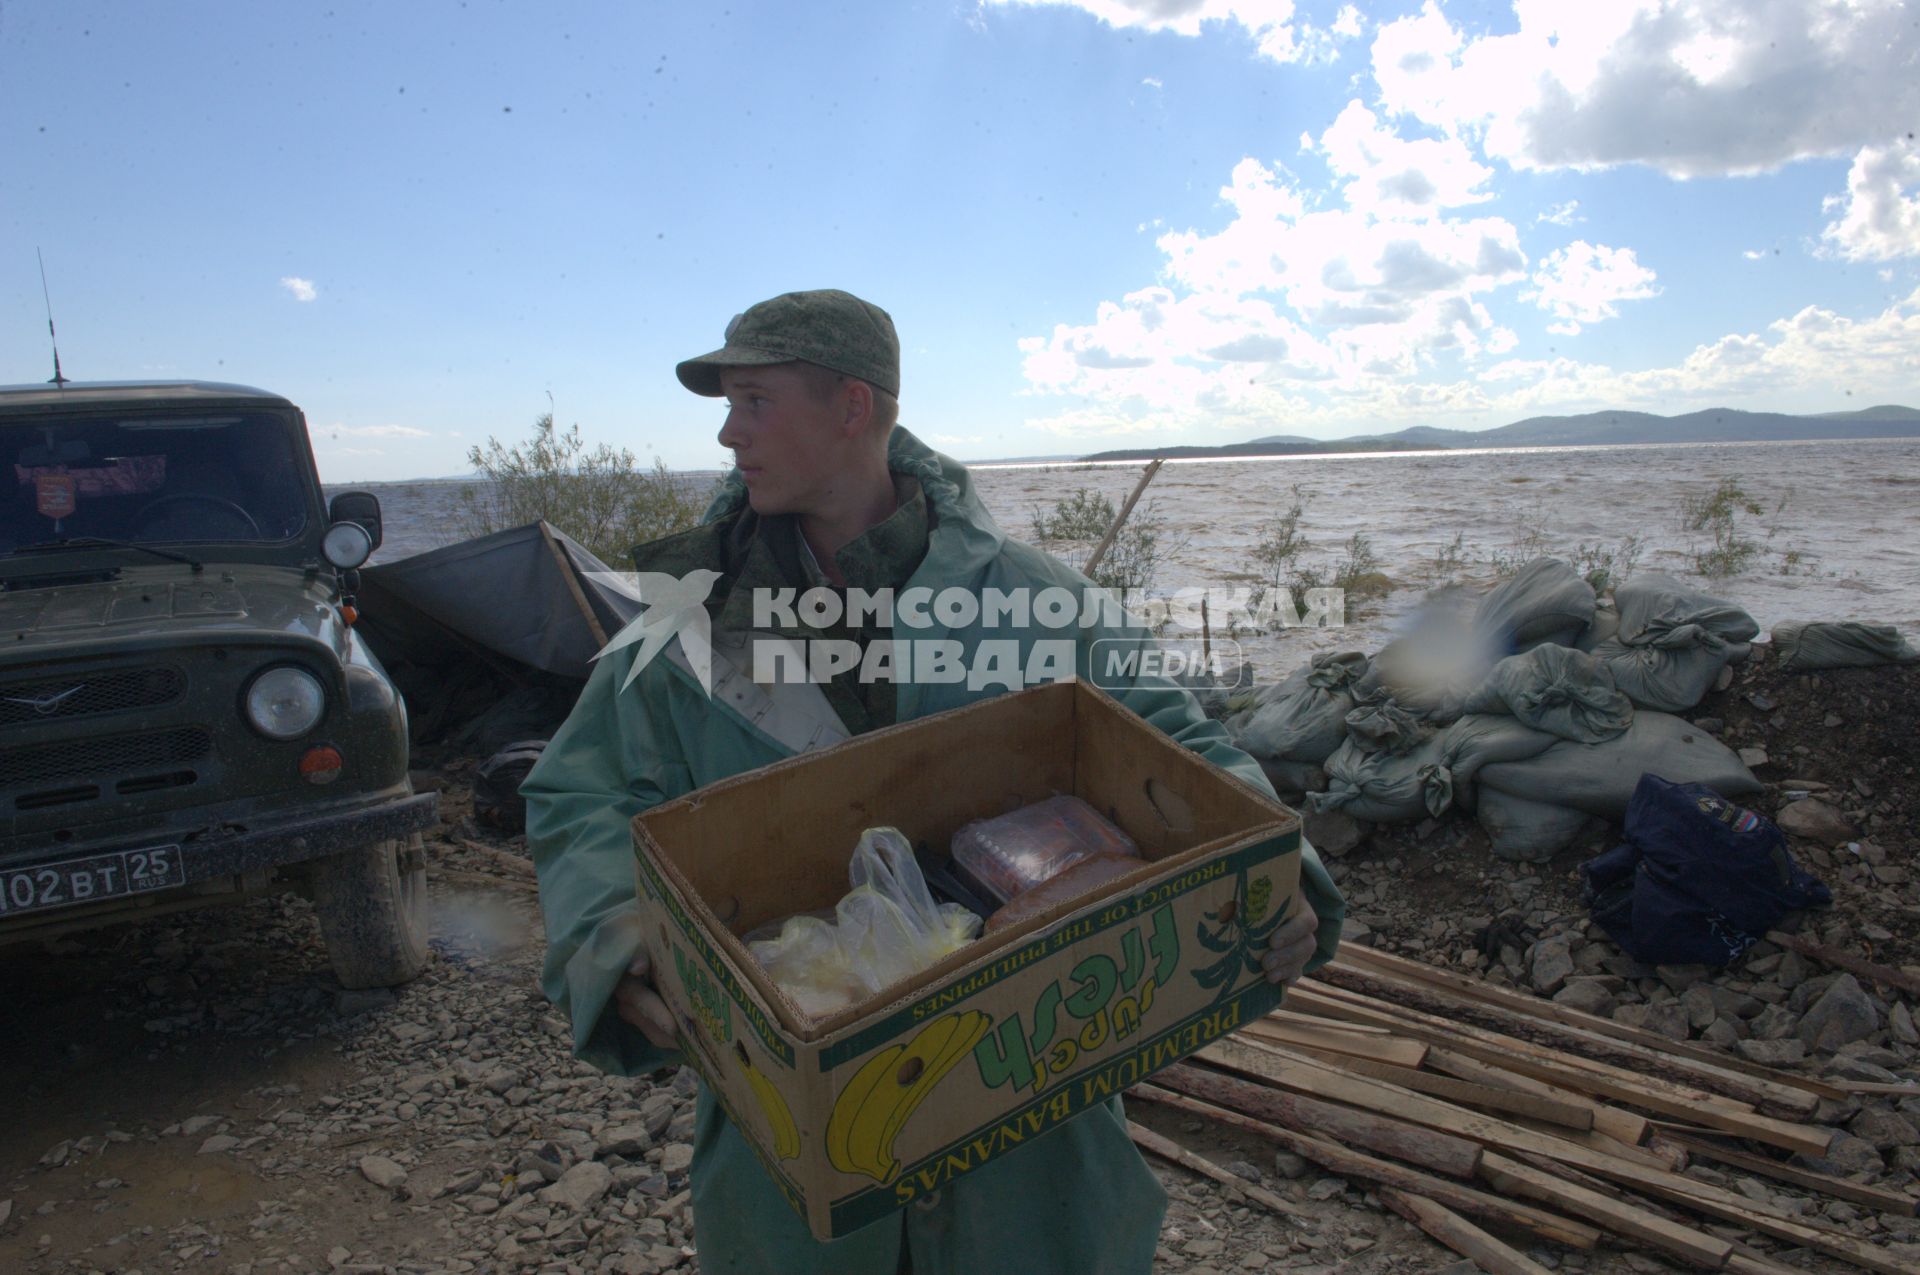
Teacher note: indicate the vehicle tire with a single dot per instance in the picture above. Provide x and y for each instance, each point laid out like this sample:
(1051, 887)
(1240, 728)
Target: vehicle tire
(372, 904)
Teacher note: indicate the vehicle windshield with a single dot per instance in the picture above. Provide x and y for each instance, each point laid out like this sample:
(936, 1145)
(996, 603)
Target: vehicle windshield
(229, 477)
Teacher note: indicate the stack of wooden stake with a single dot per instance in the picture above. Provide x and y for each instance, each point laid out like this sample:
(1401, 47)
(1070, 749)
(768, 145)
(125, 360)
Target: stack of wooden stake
(1451, 1099)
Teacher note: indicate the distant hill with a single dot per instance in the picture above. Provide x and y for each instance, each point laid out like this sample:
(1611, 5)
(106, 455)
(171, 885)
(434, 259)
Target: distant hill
(1594, 429)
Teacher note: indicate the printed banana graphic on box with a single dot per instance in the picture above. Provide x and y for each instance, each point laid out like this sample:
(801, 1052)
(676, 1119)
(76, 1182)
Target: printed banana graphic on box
(786, 1134)
(884, 1093)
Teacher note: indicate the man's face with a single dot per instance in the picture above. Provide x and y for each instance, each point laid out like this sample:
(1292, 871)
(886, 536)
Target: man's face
(789, 443)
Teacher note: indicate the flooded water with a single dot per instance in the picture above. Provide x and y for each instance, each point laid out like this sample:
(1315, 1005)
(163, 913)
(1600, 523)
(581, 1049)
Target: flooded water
(1839, 531)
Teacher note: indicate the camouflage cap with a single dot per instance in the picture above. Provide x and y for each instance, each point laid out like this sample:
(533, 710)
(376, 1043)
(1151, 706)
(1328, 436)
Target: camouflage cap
(831, 328)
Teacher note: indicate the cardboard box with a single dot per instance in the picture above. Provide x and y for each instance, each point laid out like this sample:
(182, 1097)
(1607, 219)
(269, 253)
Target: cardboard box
(859, 1114)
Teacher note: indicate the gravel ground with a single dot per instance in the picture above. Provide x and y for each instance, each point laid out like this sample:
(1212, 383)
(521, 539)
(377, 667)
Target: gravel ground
(197, 1092)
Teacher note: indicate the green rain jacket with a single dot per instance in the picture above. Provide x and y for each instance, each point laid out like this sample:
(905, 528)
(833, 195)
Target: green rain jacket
(1078, 1200)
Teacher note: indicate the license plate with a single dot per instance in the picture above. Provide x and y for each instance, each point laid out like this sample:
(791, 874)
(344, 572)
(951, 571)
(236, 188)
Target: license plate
(100, 876)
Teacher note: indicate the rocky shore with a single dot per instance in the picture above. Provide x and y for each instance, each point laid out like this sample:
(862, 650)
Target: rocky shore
(196, 1093)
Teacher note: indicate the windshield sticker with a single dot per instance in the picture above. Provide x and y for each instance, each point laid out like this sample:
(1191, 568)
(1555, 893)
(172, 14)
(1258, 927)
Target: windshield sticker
(124, 476)
(53, 495)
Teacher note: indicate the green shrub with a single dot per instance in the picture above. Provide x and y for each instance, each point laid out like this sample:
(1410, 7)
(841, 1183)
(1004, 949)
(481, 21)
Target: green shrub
(1277, 552)
(1082, 515)
(1450, 559)
(602, 498)
(1607, 568)
(1359, 570)
(1718, 514)
(1132, 560)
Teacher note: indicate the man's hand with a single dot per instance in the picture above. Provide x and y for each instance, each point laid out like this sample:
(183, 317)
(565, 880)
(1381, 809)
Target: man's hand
(1291, 945)
(640, 1005)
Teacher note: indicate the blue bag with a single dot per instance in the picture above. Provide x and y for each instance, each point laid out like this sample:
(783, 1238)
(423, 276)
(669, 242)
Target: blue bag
(1698, 879)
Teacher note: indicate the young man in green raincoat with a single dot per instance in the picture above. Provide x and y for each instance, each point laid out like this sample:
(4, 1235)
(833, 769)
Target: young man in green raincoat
(829, 492)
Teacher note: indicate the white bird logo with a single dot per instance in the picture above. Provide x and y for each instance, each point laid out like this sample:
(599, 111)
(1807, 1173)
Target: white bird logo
(674, 605)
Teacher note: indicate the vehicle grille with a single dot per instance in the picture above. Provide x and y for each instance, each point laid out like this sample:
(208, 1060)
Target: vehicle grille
(116, 755)
(58, 699)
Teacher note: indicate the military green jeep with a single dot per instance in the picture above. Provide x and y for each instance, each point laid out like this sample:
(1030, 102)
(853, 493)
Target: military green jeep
(187, 715)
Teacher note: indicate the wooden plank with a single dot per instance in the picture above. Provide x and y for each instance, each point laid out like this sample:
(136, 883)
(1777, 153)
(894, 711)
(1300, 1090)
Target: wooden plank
(1616, 1122)
(1415, 1144)
(1167, 1149)
(1651, 1157)
(1826, 1184)
(1566, 1115)
(1886, 975)
(1729, 1207)
(1287, 1015)
(1687, 1243)
(1599, 1080)
(1877, 1088)
(1300, 1075)
(1747, 1262)
(1383, 1047)
(1460, 1235)
(1582, 1041)
(1354, 1165)
(1526, 1003)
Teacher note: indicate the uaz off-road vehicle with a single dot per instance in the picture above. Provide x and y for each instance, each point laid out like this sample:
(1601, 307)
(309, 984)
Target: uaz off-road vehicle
(186, 714)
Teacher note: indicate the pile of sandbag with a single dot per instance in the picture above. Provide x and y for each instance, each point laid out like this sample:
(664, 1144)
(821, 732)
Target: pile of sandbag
(1536, 712)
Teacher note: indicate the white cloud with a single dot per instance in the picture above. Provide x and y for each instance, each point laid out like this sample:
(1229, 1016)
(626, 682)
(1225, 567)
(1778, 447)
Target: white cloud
(1581, 282)
(1268, 22)
(377, 431)
(1690, 87)
(1755, 254)
(302, 289)
(1882, 220)
(1565, 214)
(1152, 82)
(1384, 174)
(1815, 353)
(1348, 23)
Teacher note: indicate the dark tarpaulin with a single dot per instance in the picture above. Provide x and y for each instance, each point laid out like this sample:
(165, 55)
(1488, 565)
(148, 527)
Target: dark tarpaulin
(487, 638)
(509, 593)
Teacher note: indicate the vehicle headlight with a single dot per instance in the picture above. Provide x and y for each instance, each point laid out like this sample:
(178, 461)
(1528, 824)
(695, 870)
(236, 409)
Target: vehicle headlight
(285, 702)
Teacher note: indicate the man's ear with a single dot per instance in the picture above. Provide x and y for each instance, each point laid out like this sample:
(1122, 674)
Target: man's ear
(858, 406)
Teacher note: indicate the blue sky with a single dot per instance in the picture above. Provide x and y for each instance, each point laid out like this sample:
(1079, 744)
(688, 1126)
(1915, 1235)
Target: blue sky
(1096, 223)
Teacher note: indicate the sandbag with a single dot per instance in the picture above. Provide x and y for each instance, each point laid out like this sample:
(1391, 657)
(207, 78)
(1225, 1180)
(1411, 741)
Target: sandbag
(1304, 717)
(1385, 787)
(1558, 690)
(1807, 645)
(1654, 603)
(1387, 727)
(1524, 831)
(1292, 778)
(1482, 739)
(1605, 624)
(1546, 602)
(1671, 673)
(1600, 778)
(1698, 879)
(1427, 673)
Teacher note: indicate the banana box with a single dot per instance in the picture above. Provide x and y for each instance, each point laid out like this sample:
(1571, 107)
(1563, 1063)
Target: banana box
(859, 1114)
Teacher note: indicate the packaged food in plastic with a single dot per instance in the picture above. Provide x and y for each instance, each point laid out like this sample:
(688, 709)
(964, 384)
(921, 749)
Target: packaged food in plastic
(1082, 878)
(1011, 853)
(886, 928)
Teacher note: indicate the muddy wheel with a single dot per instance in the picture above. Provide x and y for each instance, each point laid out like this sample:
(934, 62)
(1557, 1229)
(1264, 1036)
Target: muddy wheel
(372, 904)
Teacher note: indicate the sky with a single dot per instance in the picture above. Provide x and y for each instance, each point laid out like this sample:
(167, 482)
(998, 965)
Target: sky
(1096, 223)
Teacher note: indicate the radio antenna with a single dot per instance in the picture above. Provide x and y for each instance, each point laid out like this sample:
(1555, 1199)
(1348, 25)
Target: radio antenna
(58, 379)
